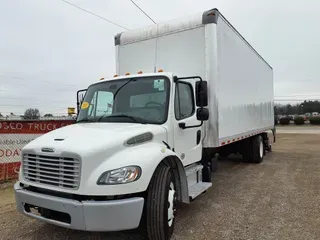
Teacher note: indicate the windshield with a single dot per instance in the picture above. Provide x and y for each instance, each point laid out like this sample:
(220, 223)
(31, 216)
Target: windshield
(138, 100)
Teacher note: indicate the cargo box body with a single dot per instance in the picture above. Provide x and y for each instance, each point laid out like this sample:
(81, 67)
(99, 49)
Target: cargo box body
(240, 81)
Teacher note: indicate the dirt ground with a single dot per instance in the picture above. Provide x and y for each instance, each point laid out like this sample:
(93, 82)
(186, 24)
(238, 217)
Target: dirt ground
(278, 199)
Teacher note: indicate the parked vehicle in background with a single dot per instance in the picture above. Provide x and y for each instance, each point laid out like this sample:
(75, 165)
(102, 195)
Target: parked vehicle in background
(143, 140)
(315, 114)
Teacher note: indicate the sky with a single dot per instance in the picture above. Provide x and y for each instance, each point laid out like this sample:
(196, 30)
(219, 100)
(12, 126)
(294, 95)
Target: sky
(49, 49)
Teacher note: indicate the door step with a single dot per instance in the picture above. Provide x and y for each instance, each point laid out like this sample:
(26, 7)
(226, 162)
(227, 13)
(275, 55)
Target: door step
(198, 188)
(193, 169)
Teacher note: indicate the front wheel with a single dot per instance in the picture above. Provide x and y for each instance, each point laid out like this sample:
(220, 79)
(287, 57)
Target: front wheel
(161, 204)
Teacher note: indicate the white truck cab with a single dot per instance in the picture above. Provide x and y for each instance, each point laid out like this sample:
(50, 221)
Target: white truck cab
(143, 140)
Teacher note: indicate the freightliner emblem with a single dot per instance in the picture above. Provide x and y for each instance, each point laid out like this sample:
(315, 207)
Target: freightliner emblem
(47, 150)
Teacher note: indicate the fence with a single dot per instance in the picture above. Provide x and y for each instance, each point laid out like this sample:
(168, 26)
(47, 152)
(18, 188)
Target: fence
(16, 134)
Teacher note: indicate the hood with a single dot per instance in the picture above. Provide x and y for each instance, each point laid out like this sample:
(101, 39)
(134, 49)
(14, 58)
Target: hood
(86, 138)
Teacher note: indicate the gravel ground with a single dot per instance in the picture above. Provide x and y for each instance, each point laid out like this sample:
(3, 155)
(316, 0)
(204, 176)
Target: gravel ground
(278, 199)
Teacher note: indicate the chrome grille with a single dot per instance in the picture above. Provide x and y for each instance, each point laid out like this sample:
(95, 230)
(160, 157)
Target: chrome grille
(51, 170)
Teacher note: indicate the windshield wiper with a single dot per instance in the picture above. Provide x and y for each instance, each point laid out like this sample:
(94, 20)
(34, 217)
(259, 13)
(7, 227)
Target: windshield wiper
(115, 94)
(114, 97)
(135, 119)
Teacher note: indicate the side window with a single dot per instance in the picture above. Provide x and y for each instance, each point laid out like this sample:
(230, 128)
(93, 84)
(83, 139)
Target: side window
(104, 103)
(184, 101)
(101, 104)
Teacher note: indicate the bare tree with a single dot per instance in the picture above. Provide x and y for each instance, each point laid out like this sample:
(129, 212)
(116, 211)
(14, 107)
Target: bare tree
(48, 115)
(32, 113)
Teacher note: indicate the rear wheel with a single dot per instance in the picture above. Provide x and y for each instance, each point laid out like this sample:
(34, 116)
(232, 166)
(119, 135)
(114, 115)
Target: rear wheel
(258, 150)
(161, 204)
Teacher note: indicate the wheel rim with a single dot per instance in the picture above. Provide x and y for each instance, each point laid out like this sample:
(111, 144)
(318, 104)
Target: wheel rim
(171, 203)
(261, 149)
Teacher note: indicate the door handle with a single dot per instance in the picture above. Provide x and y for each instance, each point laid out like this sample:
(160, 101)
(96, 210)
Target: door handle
(182, 125)
(198, 136)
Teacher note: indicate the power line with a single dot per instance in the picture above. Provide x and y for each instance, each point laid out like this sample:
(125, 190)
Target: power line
(26, 98)
(96, 15)
(61, 104)
(30, 88)
(143, 11)
(42, 81)
(13, 77)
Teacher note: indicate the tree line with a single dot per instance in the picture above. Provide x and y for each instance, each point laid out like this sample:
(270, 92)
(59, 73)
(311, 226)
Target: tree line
(31, 114)
(299, 108)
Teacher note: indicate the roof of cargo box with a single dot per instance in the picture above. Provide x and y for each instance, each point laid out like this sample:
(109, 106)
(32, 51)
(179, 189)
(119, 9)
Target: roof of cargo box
(167, 27)
(174, 26)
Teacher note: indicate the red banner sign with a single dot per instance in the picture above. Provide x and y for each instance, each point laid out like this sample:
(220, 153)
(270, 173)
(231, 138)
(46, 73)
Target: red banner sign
(14, 135)
(32, 127)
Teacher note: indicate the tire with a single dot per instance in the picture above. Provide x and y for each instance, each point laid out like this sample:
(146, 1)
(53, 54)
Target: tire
(161, 204)
(257, 149)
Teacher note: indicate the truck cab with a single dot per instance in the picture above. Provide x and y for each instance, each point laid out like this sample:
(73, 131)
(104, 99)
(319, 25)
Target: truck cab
(134, 144)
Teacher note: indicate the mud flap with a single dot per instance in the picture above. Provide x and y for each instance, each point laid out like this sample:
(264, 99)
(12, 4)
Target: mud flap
(274, 134)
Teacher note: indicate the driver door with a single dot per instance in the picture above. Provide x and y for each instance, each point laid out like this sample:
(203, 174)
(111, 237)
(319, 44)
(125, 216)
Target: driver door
(187, 142)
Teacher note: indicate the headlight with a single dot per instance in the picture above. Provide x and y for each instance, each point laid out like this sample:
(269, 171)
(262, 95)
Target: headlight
(120, 176)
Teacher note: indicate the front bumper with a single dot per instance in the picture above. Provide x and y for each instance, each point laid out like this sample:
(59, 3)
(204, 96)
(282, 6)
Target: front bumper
(114, 215)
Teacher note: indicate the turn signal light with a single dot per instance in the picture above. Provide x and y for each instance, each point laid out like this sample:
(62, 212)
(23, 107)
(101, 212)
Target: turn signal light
(127, 74)
(160, 70)
(140, 72)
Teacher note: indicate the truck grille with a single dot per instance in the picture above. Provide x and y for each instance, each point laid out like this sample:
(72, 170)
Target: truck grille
(56, 171)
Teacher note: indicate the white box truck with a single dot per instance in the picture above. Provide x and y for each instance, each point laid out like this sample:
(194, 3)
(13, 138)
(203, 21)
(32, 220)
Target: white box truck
(185, 91)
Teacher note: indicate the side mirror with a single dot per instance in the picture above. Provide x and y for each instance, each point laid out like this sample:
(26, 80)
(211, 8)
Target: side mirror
(201, 94)
(202, 114)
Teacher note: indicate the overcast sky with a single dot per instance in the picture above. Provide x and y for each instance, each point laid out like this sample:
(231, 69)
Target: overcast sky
(49, 49)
